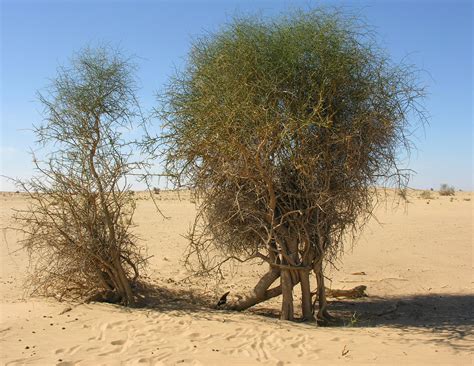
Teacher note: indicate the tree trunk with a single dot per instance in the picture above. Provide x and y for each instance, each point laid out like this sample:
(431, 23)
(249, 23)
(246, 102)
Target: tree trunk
(259, 293)
(287, 311)
(306, 305)
(253, 299)
(124, 284)
(121, 280)
(322, 312)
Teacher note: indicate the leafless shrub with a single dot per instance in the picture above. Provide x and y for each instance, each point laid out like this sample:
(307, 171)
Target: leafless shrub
(446, 190)
(78, 226)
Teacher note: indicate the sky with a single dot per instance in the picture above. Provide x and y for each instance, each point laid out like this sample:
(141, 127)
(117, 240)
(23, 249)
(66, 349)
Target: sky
(38, 36)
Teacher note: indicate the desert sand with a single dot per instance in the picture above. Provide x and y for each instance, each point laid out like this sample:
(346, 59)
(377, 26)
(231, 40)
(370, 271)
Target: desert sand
(416, 262)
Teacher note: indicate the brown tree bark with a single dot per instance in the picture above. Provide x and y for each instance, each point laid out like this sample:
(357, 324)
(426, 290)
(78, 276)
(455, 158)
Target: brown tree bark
(323, 314)
(287, 310)
(124, 284)
(259, 293)
(306, 305)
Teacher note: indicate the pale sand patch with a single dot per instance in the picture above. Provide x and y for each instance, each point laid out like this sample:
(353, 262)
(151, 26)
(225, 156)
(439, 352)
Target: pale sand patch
(418, 273)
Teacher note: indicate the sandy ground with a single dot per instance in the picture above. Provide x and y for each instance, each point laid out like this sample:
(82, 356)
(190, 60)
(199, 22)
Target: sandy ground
(418, 267)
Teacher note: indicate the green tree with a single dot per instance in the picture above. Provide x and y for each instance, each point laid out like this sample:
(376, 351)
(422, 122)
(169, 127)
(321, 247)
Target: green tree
(78, 225)
(283, 128)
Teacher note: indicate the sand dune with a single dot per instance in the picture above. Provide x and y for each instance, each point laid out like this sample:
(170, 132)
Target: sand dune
(416, 264)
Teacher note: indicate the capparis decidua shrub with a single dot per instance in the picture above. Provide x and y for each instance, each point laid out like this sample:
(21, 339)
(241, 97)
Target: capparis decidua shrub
(78, 225)
(282, 128)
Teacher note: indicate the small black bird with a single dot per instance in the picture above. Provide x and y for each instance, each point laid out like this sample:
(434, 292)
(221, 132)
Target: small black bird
(223, 299)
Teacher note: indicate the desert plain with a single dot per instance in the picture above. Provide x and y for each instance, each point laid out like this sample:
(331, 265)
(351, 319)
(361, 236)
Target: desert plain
(416, 260)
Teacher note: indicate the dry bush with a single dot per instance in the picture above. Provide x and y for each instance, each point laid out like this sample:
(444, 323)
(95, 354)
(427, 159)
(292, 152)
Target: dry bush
(426, 195)
(78, 224)
(446, 190)
(282, 128)
(403, 193)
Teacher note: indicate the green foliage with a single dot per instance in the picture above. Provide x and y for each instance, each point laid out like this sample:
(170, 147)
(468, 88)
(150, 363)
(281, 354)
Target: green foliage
(354, 320)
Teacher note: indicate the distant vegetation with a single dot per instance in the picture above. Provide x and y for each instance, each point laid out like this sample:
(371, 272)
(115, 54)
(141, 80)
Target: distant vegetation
(426, 195)
(446, 190)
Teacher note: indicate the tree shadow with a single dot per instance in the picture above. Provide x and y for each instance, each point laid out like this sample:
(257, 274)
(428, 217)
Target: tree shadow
(448, 318)
(177, 298)
(430, 310)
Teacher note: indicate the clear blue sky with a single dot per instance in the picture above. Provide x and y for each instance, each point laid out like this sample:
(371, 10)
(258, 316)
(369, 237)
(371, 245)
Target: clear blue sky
(37, 36)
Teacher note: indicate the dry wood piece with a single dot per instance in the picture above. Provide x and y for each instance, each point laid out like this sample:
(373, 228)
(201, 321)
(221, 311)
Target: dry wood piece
(65, 310)
(353, 293)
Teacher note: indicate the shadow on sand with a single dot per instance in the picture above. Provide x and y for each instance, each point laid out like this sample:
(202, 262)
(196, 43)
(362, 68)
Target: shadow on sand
(449, 317)
(434, 310)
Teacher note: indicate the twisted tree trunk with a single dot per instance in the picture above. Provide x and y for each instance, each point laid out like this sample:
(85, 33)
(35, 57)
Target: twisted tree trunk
(259, 293)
